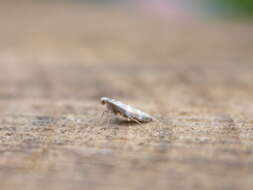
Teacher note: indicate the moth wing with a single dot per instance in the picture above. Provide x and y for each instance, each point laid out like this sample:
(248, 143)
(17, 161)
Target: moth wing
(135, 113)
(131, 112)
(140, 115)
(119, 107)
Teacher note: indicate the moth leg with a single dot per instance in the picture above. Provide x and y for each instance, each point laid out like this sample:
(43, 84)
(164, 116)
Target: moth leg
(135, 120)
(106, 111)
(109, 119)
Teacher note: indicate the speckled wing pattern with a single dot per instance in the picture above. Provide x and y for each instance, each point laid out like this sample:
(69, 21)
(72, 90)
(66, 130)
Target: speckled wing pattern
(130, 112)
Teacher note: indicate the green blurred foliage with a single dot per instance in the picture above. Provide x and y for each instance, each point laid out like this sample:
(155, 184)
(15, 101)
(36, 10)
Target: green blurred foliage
(233, 7)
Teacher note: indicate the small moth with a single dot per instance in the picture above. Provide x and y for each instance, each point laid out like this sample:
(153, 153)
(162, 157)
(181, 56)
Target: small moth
(132, 114)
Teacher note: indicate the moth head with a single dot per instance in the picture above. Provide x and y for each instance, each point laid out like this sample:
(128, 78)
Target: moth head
(103, 100)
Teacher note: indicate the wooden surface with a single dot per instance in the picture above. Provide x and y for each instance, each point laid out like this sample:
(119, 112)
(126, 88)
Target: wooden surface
(57, 60)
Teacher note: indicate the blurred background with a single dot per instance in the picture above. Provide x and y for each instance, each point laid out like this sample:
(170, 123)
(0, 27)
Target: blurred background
(187, 62)
(50, 48)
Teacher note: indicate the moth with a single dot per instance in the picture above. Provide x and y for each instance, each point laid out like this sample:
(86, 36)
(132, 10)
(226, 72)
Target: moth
(132, 114)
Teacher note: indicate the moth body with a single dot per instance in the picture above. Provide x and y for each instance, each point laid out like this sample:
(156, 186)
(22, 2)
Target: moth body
(117, 107)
